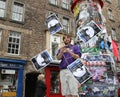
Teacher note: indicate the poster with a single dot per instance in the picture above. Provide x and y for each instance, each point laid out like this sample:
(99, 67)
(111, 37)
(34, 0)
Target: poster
(53, 24)
(80, 71)
(88, 31)
(41, 60)
(101, 57)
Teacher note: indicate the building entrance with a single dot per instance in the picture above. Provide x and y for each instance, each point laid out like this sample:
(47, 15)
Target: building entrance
(30, 84)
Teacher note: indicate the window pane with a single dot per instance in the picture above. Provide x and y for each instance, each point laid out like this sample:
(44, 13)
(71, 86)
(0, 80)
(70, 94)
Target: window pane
(17, 46)
(12, 51)
(16, 51)
(17, 41)
(10, 39)
(9, 45)
(13, 39)
(13, 46)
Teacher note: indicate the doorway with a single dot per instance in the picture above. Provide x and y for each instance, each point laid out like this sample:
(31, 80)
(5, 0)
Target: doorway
(30, 84)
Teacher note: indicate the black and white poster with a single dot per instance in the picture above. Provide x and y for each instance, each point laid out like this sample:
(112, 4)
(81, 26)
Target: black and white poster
(80, 71)
(53, 24)
(88, 31)
(41, 60)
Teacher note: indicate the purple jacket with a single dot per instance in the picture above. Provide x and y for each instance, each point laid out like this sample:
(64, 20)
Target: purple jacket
(67, 58)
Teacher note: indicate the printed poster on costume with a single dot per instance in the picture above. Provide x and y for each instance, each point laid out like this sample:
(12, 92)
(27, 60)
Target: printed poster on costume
(41, 60)
(80, 71)
(53, 24)
(88, 31)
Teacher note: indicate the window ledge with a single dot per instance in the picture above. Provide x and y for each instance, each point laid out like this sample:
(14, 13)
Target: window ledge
(108, 1)
(14, 21)
(112, 20)
(53, 5)
(65, 9)
(3, 18)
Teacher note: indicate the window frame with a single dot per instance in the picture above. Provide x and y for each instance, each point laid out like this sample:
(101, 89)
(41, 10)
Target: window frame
(65, 4)
(110, 15)
(13, 41)
(114, 34)
(66, 28)
(3, 9)
(56, 40)
(22, 14)
(54, 50)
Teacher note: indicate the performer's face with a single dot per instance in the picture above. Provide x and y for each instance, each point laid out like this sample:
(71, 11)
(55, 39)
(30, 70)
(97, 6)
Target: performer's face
(66, 40)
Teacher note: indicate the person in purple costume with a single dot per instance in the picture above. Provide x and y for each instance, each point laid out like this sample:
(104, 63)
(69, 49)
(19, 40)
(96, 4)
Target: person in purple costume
(68, 54)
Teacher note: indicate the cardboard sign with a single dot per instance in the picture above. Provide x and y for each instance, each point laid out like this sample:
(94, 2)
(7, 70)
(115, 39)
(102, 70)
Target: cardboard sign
(80, 71)
(41, 60)
(53, 24)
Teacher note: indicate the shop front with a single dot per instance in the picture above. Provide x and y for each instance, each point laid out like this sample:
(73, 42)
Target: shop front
(11, 77)
(53, 81)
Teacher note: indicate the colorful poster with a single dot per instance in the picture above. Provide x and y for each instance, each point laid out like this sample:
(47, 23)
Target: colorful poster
(41, 60)
(90, 50)
(102, 57)
(53, 24)
(88, 31)
(80, 71)
(98, 73)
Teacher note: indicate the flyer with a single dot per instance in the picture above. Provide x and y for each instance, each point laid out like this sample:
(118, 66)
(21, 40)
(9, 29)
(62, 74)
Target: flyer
(88, 31)
(80, 71)
(53, 24)
(41, 60)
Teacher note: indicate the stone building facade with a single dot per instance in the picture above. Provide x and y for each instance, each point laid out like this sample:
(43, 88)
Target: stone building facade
(111, 12)
(27, 19)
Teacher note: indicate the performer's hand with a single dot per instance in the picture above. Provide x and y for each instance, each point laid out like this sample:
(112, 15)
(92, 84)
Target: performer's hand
(62, 50)
(67, 50)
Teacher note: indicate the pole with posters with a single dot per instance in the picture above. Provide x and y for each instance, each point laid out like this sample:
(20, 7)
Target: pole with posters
(92, 34)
